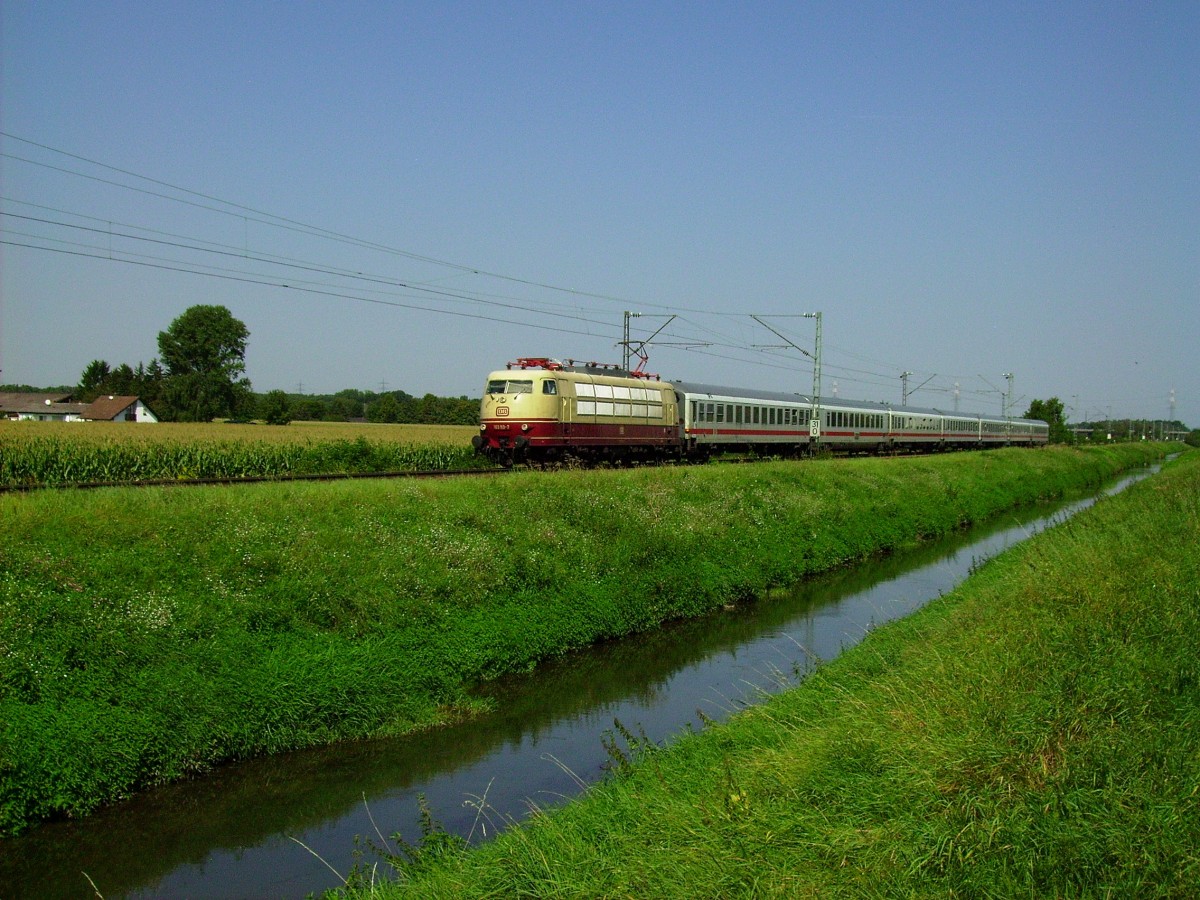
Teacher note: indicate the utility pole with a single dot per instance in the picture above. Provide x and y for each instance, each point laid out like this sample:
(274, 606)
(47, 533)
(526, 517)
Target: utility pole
(640, 352)
(625, 339)
(814, 426)
(1007, 411)
(905, 391)
(956, 393)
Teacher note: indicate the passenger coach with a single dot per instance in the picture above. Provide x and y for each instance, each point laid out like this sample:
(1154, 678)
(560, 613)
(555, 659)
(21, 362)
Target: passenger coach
(722, 418)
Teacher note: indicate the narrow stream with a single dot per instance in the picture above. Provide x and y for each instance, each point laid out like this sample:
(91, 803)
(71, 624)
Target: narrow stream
(257, 829)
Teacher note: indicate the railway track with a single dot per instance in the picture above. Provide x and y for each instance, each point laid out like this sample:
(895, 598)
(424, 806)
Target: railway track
(248, 479)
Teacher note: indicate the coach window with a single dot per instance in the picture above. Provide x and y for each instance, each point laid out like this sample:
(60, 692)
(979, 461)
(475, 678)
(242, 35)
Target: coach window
(549, 386)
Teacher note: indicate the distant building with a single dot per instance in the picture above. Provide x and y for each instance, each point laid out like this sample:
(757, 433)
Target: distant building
(59, 408)
(118, 409)
(46, 407)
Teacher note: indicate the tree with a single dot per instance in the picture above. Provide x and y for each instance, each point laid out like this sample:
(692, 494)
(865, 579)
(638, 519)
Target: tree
(346, 408)
(121, 381)
(93, 380)
(385, 409)
(275, 408)
(204, 352)
(148, 381)
(1051, 412)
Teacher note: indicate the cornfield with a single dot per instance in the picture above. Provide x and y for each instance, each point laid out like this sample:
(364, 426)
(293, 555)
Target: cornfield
(79, 454)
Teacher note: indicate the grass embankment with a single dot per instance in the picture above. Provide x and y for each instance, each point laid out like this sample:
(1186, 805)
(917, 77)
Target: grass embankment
(39, 454)
(149, 634)
(1034, 733)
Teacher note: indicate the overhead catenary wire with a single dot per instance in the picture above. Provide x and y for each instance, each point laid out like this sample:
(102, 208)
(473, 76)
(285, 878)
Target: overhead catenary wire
(310, 290)
(361, 286)
(279, 221)
(277, 261)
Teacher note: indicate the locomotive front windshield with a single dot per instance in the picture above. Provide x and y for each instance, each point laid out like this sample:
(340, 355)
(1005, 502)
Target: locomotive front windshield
(509, 386)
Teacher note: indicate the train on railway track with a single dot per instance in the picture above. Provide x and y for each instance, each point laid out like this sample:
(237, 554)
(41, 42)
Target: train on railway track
(541, 410)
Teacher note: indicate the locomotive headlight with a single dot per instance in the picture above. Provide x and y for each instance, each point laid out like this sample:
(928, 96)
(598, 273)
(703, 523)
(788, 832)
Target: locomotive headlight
(483, 426)
(525, 427)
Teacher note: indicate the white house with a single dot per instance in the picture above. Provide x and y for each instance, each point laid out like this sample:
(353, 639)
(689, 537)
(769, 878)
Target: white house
(55, 408)
(117, 409)
(47, 411)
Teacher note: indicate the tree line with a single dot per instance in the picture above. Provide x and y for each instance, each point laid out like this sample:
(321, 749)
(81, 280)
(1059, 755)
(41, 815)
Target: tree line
(199, 375)
(367, 406)
(1051, 411)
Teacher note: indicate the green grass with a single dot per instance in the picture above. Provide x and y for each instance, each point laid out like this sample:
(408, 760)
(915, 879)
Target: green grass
(1035, 733)
(146, 635)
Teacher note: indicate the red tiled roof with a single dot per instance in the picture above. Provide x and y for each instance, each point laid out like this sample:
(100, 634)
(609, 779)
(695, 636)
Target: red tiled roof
(106, 409)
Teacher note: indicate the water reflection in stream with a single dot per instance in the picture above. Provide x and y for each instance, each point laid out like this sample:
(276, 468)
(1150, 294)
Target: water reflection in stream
(230, 834)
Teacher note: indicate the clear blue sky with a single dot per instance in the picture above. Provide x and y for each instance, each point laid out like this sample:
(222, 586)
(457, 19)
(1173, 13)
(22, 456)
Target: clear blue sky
(963, 190)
